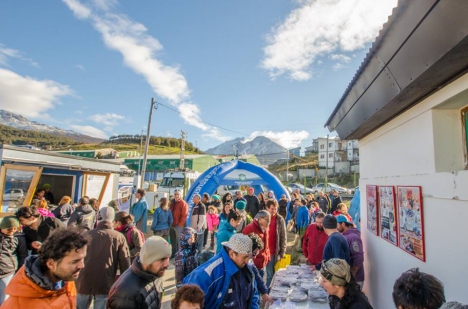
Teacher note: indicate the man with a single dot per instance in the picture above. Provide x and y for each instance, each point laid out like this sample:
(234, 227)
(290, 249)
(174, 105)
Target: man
(46, 281)
(179, 210)
(336, 200)
(238, 198)
(415, 290)
(226, 279)
(298, 193)
(140, 286)
(49, 196)
(283, 206)
(84, 216)
(324, 202)
(107, 252)
(353, 237)
(198, 220)
(336, 246)
(276, 238)
(246, 218)
(139, 211)
(36, 227)
(253, 204)
(314, 240)
(114, 204)
(260, 227)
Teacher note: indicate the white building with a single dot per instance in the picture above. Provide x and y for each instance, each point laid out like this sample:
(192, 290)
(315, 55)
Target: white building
(408, 106)
(339, 154)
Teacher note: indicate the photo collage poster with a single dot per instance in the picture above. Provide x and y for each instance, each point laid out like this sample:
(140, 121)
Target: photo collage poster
(388, 216)
(411, 221)
(372, 209)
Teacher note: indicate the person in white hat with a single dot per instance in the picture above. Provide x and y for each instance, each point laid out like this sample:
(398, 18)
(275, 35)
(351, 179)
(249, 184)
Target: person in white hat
(140, 286)
(226, 279)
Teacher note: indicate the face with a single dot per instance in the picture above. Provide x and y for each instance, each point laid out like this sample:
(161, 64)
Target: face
(68, 269)
(177, 196)
(270, 194)
(192, 239)
(264, 222)
(187, 305)
(227, 207)
(340, 227)
(196, 199)
(238, 194)
(239, 259)
(211, 211)
(10, 231)
(27, 221)
(335, 194)
(297, 202)
(329, 287)
(159, 267)
(251, 191)
(273, 210)
(116, 224)
(319, 223)
(235, 223)
(320, 194)
(40, 194)
(138, 195)
(344, 210)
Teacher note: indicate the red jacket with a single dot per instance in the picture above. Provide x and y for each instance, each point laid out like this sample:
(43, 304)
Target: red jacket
(337, 213)
(263, 256)
(179, 212)
(313, 244)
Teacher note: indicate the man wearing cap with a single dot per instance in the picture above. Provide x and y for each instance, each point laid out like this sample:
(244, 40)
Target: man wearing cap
(246, 218)
(48, 195)
(226, 279)
(13, 252)
(253, 204)
(260, 227)
(238, 198)
(353, 237)
(179, 210)
(107, 252)
(140, 286)
(314, 240)
(336, 246)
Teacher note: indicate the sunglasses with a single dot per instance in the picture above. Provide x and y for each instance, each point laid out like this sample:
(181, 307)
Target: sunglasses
(327, 274)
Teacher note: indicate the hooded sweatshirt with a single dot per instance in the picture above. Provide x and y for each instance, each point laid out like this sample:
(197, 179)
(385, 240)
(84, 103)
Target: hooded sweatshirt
(30, 288)
(84, 218)
(353, 237)
(226, 230)
(186, 260)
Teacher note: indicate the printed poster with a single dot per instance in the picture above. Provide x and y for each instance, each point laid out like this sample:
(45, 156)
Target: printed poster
(372, 209)
(388, 217)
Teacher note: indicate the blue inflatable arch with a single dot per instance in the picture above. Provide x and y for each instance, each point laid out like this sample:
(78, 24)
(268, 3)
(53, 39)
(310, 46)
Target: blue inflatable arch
(233, 173)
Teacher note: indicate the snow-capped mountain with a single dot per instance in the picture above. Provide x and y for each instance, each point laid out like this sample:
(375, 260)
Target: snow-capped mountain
(19, 122)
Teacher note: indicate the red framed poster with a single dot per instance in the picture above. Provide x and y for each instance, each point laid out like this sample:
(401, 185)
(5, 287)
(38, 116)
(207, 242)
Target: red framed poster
(372, 209)
(388, 214)
(411, 221)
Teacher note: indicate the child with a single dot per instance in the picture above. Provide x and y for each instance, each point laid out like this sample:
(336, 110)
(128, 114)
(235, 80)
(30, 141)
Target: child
(342, 209)
(213, 223)
(186, 260)
(43, 208)
(13, 252)
(188, 296)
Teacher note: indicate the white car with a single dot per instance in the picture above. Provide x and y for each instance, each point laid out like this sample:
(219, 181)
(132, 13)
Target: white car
(330, 186)
(13, 195)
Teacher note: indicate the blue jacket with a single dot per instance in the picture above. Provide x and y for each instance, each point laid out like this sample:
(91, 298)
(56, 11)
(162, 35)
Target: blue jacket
(224, 233)
(214, 278)
(162, 219)
(302, 219)
(140, 212)
(336, 247)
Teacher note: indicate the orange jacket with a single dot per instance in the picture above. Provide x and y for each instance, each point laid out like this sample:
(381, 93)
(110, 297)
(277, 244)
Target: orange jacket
(179, 212)
(24, 293)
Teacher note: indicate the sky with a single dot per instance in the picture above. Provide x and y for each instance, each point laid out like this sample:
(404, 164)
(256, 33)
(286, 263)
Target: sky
(219, 70)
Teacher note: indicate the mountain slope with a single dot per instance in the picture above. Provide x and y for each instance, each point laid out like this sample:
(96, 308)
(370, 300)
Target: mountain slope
(19, 122)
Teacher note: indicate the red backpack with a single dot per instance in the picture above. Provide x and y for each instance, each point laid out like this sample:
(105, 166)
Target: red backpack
(129, 237)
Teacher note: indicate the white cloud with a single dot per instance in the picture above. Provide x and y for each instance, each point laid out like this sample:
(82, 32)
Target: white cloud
(320, 27)
(79, 66)
(79, 10)
(109, 119)
(340, 57)
(287, 139)
(6, 53)
(215, 133)
(105, 4)
(338, 66)
(191, 114)
(89, 130)
(28, 96)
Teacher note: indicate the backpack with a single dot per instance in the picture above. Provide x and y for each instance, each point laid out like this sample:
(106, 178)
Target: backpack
(84, 220)
(129, 236)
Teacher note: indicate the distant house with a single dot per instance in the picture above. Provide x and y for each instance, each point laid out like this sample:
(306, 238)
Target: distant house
(295, 152)
(313, 148)
(341, 155)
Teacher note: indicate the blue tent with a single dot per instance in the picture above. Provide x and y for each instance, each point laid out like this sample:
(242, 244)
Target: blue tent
(233, 173)
(355, 208)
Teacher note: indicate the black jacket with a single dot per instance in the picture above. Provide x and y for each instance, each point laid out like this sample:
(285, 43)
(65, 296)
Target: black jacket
(361, 302)
(253, 205)
(13, 252)
(335, 203)
(282, 209)
(46, 226)
(137, 289)
(63, 212)
(84, 218)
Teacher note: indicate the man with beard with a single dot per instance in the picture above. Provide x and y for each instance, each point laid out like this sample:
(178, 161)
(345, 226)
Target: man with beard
(140, 286)
(314, 240)
(179, 210)
(46, 280)
(253, 204)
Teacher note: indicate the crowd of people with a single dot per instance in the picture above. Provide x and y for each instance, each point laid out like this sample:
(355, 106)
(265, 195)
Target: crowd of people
(224, 257)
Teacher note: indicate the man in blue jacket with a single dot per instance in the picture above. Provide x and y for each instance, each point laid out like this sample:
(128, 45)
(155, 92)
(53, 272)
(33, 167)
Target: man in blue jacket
(336, 246)
(226, 279)
(139, 210)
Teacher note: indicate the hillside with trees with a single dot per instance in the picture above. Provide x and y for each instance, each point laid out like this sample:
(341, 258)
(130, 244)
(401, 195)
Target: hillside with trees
(12, 136)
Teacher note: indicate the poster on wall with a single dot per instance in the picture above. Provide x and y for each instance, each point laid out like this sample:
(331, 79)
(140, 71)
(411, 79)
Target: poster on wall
(372, 209)
(411, 221)
(94, 185)
(387, 214)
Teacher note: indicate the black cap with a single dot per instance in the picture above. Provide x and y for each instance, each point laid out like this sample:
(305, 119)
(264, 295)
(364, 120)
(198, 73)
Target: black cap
(329, 222)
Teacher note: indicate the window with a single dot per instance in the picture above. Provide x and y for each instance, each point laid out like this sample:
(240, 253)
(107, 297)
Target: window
(322, 156)
(330, 155)
(330, 145)
(322, 146)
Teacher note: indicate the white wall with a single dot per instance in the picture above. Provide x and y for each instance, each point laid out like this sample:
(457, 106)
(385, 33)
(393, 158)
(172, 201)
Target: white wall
(421, 147)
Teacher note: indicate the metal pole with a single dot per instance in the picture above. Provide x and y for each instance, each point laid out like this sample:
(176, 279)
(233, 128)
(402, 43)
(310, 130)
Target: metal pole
(182, 150)
(287, 166)
(148, 132)
(326, 171)
(139, 152)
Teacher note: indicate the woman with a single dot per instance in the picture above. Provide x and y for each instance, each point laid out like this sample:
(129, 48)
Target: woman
(43, 208)
(123, 223)
(64, 210)
(226, 208)
(227, 198)
(227, 228)
(271, 195)
(261, 199)
(162, 219)
(344, 292)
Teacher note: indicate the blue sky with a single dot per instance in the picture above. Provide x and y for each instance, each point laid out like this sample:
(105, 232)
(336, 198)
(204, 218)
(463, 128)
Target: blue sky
(273, 68)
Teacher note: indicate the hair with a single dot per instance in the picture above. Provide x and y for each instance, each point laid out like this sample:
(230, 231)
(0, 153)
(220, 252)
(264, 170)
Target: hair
(93, 202)
(352, 290)
(257, 242)
(233, 215)
(84, 200)
(261, 196)
(315, 204)
(42, 204)
(294, 196)
(206, 195)
(27, 212)
(310, 195)
(214, 208)
(141, 191)
(303, 202)
(271, 202)
(453, 305)
(418, 290)
(224, 207)
(65, 200)
(190, 293)
(59, 243)
(39, 191)
(123, 217)
(340, 205)
(224, 199)
(319, 215)
(164, 202)
(262, 214)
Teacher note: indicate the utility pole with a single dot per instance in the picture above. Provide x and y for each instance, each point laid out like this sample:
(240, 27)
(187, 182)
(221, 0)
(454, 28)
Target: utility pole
(182, 149)
(148, 132)
(139, 152)
(287, 165)
(326, 171)
(236, 152)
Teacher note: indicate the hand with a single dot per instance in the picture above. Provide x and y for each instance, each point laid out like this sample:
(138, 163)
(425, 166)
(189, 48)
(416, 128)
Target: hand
(36, 245)
(279, 258)
(313, 267)
(267, 298)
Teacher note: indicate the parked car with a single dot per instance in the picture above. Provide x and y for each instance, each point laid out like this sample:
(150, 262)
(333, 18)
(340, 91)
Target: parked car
(304, 190)
(225, 189)
(13, 195)
(330, 186)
